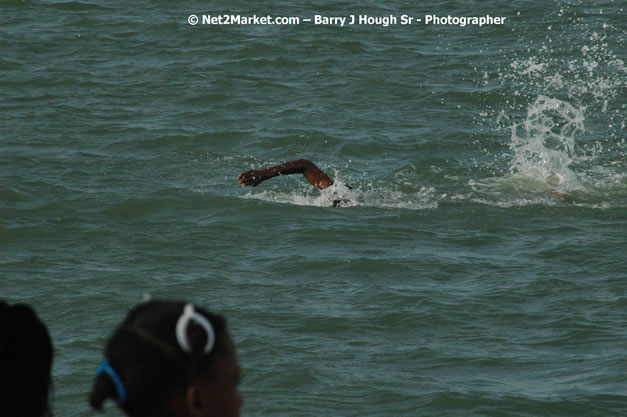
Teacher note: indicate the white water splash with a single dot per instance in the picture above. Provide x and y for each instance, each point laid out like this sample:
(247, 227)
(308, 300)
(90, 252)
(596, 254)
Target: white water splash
(548, 168)
(544, 143)
(564, 117)
(339, 195)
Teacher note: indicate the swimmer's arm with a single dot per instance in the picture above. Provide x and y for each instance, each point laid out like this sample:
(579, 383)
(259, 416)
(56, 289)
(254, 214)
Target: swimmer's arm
(314, 175)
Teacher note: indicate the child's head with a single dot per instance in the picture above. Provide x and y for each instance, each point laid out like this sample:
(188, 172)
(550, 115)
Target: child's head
(170, 358)
(25, 362)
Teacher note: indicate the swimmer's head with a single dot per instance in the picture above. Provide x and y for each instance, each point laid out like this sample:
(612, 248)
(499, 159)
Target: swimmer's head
(341, 195)
(341, 202)
(25, 362)
(170, 358)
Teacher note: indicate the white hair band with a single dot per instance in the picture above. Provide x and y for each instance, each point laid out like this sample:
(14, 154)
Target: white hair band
(181, 328)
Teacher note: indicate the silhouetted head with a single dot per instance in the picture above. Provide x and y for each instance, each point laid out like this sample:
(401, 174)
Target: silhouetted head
(25, 362)
(170, 358)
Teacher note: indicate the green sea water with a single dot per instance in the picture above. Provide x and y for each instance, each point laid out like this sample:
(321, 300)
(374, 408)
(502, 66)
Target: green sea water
(478, 269)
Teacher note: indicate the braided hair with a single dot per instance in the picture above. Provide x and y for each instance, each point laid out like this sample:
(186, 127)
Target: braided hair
(156, 353)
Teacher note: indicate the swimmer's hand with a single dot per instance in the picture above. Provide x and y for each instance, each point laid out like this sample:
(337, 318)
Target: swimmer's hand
(253, 178)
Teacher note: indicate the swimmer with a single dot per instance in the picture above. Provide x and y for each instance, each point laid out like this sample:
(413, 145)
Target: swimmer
(170, 358)
(314, 175)
(25, 362)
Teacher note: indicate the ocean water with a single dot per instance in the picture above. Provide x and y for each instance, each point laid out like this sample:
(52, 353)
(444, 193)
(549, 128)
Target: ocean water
(478, 269)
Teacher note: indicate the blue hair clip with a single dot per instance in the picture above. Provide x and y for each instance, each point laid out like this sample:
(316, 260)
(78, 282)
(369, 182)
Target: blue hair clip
(106, 368)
